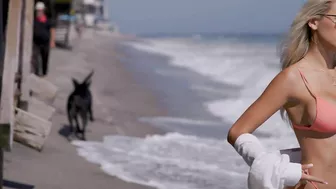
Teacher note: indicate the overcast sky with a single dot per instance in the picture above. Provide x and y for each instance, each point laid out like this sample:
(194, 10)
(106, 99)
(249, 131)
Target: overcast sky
(193, 16)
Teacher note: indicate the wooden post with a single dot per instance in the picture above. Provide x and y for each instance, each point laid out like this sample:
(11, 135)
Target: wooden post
(8, 73)
(2, 37)
(1, 63)
(27, 51)
(1, 167)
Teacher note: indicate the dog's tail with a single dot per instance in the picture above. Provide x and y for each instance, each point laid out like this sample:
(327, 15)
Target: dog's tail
(88, 77)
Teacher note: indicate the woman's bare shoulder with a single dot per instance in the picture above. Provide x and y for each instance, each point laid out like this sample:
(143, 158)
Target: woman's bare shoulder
(288, 79)
(293, 82)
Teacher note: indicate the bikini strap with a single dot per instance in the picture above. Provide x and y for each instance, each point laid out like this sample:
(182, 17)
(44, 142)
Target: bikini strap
(306, 83)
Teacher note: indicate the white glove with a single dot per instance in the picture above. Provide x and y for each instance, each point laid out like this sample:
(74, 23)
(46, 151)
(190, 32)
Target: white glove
(267, 170)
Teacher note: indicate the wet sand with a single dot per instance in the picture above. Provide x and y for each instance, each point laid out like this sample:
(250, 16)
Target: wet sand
(119, 100)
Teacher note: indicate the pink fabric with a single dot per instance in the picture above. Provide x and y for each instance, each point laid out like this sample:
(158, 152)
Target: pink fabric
(42, 18)
(325, 120)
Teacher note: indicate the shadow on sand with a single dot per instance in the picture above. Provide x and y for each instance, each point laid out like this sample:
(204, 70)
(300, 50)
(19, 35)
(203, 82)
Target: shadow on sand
(65, 132)
(17, 185)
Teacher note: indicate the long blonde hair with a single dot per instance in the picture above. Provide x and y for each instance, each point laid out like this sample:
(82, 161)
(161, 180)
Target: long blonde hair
(296, 44)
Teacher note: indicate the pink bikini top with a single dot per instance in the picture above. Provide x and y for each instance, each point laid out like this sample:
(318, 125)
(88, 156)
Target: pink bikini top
(325, 118)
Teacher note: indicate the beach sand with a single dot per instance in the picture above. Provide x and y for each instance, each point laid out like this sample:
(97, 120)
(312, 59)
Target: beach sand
(119, 100)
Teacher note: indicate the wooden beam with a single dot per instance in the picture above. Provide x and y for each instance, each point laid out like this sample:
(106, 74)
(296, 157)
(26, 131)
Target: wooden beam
(42, 88)
(31, 130)
(27, 48)
(40, 109)
(9, 71)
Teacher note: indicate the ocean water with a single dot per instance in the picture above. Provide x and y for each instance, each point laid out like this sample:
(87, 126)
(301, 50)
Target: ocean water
(184, 159)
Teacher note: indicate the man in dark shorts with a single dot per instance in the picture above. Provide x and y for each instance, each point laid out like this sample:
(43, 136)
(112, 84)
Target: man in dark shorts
(44, 39)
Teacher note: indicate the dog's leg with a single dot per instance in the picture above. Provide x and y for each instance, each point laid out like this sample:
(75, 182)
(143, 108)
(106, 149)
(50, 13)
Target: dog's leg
(77, 125)
(70, 121)
(90, 102)
(90, 112)
(84, 122)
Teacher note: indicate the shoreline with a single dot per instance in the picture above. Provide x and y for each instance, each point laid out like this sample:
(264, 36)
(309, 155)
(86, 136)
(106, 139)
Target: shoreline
(184, 92)
(119, 100)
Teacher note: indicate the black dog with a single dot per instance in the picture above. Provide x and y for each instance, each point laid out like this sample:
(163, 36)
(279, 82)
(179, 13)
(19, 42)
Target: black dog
(80, 104)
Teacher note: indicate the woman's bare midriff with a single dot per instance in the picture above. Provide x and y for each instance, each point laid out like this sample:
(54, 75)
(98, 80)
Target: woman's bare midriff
(320, 150)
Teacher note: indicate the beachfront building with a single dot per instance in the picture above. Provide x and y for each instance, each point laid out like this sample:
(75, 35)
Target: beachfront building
(103, 17)
(102, 10)
(89, 10)
(95, 12)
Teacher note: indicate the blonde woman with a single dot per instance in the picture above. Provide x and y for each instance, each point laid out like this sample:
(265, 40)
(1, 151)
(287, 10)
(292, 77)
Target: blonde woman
(305, 90)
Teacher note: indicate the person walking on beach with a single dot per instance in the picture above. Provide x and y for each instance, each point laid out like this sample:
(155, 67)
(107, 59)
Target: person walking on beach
(79, 24)
(305, 92)
(44, 38)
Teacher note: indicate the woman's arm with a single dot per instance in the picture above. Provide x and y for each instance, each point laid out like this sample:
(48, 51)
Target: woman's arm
(52, 28)
(268, 170)
(275, 96)
(52, 37)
